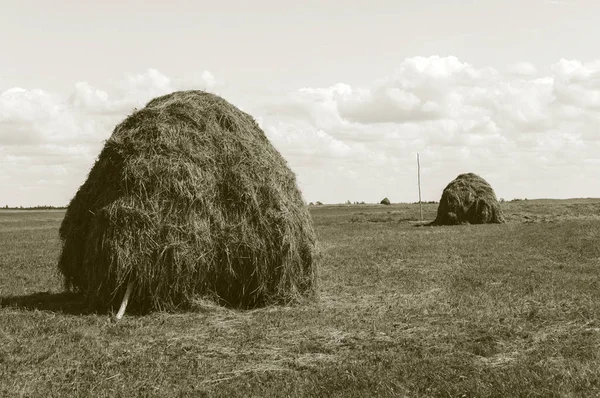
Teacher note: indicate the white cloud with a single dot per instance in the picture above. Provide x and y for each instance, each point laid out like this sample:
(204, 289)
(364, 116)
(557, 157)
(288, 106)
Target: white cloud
(577, 83)
(89, 98)
(523, 69)
(19, 105)
(529, 135)
(509, 127)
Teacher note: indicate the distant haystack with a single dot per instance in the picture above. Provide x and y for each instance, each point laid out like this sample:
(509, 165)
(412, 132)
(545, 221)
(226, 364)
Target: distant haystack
(189, 199)
(468, 199)
(385, 201)
(319, 203)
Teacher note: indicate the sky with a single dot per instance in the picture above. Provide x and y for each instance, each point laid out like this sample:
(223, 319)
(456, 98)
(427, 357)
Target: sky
(348, 91)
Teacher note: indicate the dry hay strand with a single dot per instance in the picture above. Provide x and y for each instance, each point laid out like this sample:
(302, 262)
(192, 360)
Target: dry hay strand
(468, 199)
(189, 199)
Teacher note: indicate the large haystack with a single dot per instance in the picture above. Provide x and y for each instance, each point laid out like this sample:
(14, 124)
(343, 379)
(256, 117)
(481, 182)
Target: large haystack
(468, 199)
(188, 199)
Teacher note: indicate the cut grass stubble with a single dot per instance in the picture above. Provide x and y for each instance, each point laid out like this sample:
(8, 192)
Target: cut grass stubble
(474, 310)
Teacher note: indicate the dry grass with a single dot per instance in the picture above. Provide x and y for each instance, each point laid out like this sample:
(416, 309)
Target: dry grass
(498, 310)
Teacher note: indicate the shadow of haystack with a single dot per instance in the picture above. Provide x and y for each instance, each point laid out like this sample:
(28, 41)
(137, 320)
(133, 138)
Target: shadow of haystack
(64, 302)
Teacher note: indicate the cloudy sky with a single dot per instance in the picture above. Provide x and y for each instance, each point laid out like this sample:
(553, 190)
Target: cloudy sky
(348, 91)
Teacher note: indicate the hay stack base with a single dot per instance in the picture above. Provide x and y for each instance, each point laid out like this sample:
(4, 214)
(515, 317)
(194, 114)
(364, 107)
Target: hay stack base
(468, 199)
(188, 199)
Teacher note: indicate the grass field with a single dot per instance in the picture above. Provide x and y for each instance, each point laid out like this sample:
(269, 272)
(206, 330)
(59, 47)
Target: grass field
(476, 310)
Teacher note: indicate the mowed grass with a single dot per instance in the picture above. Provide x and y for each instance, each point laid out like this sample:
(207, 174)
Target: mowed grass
(404, 310)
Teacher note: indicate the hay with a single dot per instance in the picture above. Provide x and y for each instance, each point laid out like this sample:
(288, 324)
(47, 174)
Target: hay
(189, 199)
(385, 201)
(468, 199)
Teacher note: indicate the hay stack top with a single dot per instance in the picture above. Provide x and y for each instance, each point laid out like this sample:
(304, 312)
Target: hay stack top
(188, 198)
(468, 199)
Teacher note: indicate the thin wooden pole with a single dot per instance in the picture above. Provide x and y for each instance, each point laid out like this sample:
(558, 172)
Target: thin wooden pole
(125, 301)
(419, 178)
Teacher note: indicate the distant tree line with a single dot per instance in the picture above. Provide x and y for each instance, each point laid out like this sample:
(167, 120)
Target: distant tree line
(45, 207)
(348, 202)
(432, 202)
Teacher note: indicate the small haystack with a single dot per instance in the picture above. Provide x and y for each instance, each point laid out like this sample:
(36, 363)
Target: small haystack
(189, 199)
(468, 199)
(385, 201)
